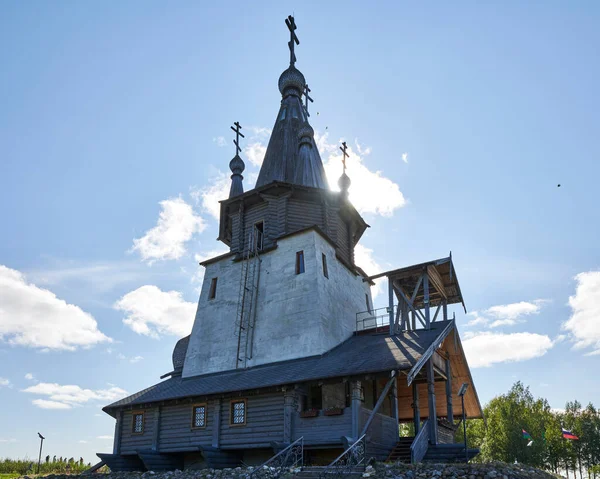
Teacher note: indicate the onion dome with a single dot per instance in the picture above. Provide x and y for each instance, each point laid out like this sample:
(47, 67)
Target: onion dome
(291, 82)
(306, 134)
(237, 166)
(344, 183)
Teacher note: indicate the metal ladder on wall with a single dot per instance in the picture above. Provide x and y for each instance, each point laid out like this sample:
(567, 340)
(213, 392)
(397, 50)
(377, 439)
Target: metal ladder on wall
(246, 310)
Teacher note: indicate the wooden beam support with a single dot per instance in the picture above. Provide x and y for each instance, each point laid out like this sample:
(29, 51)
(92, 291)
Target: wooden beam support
(156, 435)
(289, 401)
(449, 408)
(382, 397)
(395, 411)
(428, 353)
(445, 310)
(391, 305)
(356, 405)
(431, 403)
(416, 290)
(416, 408)
(409, 304)
(118, 432)
(216, 430)
(436, 280)
(437, 311)
(426, 300)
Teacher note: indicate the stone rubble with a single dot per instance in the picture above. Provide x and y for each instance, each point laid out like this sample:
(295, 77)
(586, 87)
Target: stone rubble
(494, 470)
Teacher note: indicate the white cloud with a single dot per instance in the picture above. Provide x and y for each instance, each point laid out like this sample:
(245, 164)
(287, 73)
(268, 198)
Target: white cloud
(506, 314)
(104, 437)
(8, 440)
(486, 348)
(405, 157)
(45, 404)
(4, 383)
(29, 377)
(371, 192)
(209, 196)
(133, 359)
(220, 141)
(363, 258)
(176, 225)
(34, 317)
(583, 325)
(255, 153)
(152, 312)
(477, 319)
(68, 395)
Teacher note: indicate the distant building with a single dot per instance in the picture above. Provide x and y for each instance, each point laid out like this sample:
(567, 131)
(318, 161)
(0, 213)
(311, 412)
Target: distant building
(286, 344)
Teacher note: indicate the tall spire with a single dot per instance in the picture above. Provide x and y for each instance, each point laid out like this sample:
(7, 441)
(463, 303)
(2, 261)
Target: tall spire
(236, 165)
(292, 155)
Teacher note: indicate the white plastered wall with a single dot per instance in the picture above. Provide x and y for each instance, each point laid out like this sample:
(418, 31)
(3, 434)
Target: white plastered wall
(298, 315)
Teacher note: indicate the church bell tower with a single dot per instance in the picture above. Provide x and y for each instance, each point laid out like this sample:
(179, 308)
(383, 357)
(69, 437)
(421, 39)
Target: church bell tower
(289, 287)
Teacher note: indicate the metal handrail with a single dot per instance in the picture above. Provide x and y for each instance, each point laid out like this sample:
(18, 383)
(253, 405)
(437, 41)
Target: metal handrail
(418, 448)
(280, 462)
(347, 460)
(373, 318)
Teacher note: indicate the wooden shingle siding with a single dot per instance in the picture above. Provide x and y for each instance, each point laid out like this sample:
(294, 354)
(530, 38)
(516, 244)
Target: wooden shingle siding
(264, 423)
(323, 429)
(131, 442)
(253, 215)
(342, 239)
(235, 228)
(176, 432)
(302, 214)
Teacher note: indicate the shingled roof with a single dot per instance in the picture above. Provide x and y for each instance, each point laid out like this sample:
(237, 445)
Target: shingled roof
(358, 355)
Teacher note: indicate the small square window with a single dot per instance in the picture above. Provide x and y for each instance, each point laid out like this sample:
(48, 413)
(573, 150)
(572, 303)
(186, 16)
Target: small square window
(325, 272)
(199, 416)
(259, 235)
(137, 424)
(212, 293)
(238, 412)
(300, 262)
(368, 303)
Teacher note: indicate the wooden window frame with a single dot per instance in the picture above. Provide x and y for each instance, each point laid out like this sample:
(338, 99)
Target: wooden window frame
(325, 269)
(212, 292)
(231, 403)
(300, 255)
(205, 406)
(260, 246)
(133, 415)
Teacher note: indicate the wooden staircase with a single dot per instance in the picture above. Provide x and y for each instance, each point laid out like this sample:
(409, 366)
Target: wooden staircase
(445, 453)
(401, 452)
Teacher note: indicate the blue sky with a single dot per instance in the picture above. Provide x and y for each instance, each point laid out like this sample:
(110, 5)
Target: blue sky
(114, 144)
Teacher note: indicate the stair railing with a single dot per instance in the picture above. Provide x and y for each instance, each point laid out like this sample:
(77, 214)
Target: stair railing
(418, 448)
(344, 464)
(285, 460)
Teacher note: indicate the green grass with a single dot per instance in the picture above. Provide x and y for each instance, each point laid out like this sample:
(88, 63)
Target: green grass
(10, 475)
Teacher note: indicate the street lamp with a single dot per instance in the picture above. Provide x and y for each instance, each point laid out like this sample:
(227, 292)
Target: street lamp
(41, 444)
(461, 394)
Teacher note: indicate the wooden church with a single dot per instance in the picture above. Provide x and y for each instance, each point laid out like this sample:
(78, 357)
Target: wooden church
(287, 362)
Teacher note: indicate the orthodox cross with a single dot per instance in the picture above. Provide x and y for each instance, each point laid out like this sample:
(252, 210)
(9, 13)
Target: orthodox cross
(238, 133)
(289, 21)
(307, 99)
(344, 147)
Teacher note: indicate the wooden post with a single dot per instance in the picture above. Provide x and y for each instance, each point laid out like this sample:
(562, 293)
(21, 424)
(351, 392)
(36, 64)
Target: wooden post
(391, 305)
(382, 397)
(356, 405)
(445, 310)
(118, 432)
(289, 399)
(216, 431)
(426, 300)
(449, 408)
(416, 408)
(395, 400)
(431, 402)
(156, 435)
